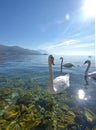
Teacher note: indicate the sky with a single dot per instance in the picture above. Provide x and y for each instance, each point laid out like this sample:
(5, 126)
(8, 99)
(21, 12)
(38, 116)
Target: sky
(56, 26)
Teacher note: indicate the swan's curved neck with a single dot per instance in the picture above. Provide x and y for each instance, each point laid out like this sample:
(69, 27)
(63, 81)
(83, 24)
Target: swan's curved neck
(87, 69)
(62, 61)
(50, 77)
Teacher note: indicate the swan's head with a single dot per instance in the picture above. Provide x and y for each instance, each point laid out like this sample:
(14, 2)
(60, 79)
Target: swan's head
(51, 60)
(61, 58)
(87, 61)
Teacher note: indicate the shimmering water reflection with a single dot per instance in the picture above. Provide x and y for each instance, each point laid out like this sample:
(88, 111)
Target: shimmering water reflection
(25, 103)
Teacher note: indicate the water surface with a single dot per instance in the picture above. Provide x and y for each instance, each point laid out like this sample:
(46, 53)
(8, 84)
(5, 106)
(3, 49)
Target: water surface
(30, 74)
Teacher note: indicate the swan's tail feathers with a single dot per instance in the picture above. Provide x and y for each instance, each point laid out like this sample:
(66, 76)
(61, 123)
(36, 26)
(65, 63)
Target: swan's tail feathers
(67, 79)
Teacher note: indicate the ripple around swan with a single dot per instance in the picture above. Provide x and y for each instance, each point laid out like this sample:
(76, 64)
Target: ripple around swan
(25, 103)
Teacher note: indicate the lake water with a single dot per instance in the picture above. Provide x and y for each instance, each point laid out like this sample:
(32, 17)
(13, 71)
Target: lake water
(25, 103)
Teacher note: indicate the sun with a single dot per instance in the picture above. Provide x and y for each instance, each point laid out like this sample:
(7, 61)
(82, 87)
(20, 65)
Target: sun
(89, 8)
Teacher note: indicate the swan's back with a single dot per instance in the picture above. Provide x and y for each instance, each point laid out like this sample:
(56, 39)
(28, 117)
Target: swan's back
(68, 65)
(92, 75)
(61, 83)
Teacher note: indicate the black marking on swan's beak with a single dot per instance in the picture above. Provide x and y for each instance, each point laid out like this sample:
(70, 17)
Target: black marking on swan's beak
(87, 61)
(53, 62)
(61, 58)
(84, 62)
(52, 59)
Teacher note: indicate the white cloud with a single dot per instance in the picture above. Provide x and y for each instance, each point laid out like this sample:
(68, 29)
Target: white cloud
(72, 46)
(58, 45)
(88, 52)
(84, 45)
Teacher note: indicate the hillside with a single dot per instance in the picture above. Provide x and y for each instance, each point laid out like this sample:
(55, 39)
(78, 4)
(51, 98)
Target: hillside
(15, 50)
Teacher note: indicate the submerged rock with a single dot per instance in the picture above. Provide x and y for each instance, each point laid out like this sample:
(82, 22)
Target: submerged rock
(2, 121)
(13, 126)
(5, 92)
(90, 116)
(26, 100)
(12, 112)
(2, 103)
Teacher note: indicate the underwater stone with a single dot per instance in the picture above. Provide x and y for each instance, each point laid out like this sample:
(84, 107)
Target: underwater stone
(89, 115)
(2, 121)
(26, 100)
(2, 103)
(11, 113)
(13, 126)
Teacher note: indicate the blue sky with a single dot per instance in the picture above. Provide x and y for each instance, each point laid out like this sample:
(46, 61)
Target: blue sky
(57, 26)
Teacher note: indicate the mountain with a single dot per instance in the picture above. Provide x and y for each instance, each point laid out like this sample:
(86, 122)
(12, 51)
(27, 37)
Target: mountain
(16, 50)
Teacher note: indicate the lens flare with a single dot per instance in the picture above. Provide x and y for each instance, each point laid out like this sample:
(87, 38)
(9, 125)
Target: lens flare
(81, 94)
(89, 8)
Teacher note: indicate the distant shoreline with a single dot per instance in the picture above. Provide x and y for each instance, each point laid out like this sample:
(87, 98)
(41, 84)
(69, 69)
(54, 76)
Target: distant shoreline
(16, 50)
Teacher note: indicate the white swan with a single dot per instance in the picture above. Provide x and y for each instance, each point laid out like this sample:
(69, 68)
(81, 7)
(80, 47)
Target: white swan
(68, 65)
(92, 74)
(60, 83)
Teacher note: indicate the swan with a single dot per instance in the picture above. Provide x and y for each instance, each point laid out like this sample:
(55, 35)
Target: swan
(92, 74)
(68, 65)
(60, 83)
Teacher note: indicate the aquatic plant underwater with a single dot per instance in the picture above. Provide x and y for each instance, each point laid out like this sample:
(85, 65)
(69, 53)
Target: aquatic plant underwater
(29, 107)
(25, 103)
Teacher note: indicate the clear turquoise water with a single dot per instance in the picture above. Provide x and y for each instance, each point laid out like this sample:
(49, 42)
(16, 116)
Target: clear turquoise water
(34, 69)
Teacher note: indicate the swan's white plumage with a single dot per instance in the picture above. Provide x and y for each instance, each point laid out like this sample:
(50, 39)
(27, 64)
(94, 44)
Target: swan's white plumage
(61, 82)
(58, 84)
(92, 75)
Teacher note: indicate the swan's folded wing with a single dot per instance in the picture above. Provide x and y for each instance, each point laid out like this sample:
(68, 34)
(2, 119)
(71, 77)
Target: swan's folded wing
(68, 65)
(61, 82)
(92, 75)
